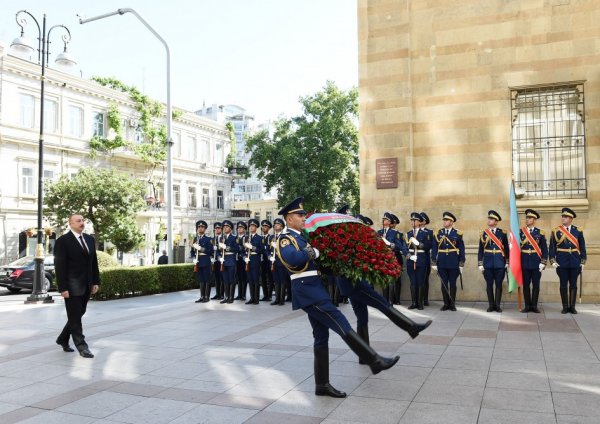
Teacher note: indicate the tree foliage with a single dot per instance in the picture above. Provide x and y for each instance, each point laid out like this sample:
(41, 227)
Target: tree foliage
(314, 155)
(104, 197)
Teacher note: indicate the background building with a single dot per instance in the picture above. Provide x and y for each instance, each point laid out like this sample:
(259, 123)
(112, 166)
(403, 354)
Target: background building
(75, 110)
(466, 96)
(252, 188)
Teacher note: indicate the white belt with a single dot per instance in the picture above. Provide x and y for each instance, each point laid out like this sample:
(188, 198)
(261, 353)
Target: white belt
(304, 274)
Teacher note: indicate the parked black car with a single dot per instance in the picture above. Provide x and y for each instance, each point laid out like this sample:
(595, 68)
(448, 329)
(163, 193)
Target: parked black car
(18, 275)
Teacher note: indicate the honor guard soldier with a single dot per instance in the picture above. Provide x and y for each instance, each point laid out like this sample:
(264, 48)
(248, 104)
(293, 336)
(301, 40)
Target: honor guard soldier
(424, 223)
(568, 256)
(202, 250)
(216, 264)
(253, 249)
(417, 243)
(280, 274)
(228, 248)
(298, 257)
(395, 293)
(448, 258)
(362, 294)
(493, 259)
(266, 276)
(534, 255)
(240, 269)
(393, 239)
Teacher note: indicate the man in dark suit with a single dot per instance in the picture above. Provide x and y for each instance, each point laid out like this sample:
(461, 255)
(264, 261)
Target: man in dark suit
(163, 259)
(76, 267)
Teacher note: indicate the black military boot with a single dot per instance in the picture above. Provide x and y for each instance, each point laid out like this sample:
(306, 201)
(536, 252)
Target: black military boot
(256, 293)
(565, 300)
(282, 294)
(490, 296)
(534, 301)
(453, 299)
(397, 291)
(498, 297)
(217, 290)
(231, 293)
(277, 295)
(322, 385)
(413, 297)
(412, 328)
(226, 291)
(201, 298)
(572, 300)
(251, 300)
(207, 292)
(265, 289)
(446, 297)
(363, 332)
(527, 297)
(420, 294)
(365, 352)
(426, 292)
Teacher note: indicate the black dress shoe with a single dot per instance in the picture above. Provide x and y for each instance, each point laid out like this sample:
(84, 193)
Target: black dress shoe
(86, 353)
(199, 300)
(65, 346)
(329, 390)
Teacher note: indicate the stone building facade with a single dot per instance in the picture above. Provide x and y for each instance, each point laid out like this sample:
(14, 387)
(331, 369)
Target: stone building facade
(467, 95)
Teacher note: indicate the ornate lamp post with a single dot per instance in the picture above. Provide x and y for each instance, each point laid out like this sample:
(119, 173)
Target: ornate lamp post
(169, 187)
(23, 44)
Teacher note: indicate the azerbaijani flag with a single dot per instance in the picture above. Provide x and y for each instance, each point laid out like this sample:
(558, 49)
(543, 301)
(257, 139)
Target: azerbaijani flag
(318, 220)
(515, 276)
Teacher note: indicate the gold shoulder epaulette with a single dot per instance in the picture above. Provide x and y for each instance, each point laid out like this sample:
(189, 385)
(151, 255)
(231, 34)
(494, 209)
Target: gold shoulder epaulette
(460, 233)
(542, 232)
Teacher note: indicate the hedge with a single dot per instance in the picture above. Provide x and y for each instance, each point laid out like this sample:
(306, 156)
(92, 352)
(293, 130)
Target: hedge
(122, 282)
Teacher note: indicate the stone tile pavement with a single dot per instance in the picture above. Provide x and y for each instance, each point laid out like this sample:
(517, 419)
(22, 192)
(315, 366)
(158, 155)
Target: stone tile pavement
(164, 359)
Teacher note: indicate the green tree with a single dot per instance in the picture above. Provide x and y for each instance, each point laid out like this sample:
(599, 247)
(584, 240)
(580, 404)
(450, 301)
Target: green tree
(126, 235)
(104, 197)
(314, 154)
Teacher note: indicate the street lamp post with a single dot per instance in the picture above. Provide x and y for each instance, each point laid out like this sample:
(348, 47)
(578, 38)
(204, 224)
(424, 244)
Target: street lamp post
(169, 189)
(24, 45)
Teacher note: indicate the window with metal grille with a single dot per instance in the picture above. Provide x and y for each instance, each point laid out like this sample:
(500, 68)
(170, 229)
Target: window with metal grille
(548, 140)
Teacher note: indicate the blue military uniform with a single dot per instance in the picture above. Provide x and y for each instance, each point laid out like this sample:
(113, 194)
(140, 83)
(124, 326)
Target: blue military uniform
(492, 256)
(310, 295)
(228, 258)
(281, 277)
(395, 240)
(215, 259)
(252, 256)
(202, 249)
(266, 276)
(425, 221)
(416, 261)
(568, 254)
(240, 269)
(534, 255)
(448, 255)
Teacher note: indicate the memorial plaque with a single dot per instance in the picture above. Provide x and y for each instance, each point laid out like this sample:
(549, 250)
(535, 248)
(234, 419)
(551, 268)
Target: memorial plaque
(386, 172)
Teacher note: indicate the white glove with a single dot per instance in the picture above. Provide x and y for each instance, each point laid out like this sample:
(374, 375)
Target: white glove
(481, 268)
(413, 258)
(221, 260)
(317, 253)
(582, 266)
(542, 267)
(414, 241)
(434, 267)
(505, 266)
(386, 242)
(196, 246)
(460, 269)
(272, 258)
(222, 246)
(248, 245)
(212, 260)
(273, 244)
(555, 264)
(247, 260)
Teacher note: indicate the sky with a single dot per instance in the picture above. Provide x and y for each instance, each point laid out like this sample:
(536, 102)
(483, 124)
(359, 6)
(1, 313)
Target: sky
(259, 54)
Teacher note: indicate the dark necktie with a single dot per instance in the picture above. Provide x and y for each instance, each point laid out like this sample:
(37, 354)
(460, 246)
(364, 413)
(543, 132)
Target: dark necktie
(83, 245)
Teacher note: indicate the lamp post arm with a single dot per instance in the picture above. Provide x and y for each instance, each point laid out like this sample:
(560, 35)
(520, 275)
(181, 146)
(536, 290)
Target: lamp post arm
(22, 22)
(66, 38)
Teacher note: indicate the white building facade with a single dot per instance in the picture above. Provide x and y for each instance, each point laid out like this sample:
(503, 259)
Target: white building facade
(74, 111)
(250, 189)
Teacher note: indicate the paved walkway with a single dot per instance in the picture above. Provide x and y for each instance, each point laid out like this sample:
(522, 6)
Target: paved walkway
(165, 359)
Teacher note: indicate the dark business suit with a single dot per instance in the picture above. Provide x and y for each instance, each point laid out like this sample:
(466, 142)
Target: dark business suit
(76, 271)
